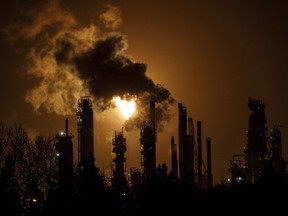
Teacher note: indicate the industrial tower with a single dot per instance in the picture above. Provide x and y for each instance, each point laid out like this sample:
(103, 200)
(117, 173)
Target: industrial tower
(174, 161)
(209, 182)
(119, 165)
(276, 147)
(182, 136)
(148, 144)
(85, 129)
(199, 157)
(258, 152)
(190, 149)
(256, 149)
(186, 145)
(64, 147)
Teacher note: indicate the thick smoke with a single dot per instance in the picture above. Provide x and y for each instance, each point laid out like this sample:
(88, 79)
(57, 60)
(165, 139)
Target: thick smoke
(70, 61)
(107, 72)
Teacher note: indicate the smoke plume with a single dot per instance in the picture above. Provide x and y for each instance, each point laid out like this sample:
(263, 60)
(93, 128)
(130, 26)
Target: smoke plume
(112, 17)
(70, 61)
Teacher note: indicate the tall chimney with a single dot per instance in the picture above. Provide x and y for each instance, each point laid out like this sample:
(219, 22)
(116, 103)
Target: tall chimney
(182, 145)
(209, 169)
(174, 157)
(199, 141)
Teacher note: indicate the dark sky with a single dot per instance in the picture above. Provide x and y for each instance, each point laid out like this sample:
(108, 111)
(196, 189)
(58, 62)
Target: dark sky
(209, 55)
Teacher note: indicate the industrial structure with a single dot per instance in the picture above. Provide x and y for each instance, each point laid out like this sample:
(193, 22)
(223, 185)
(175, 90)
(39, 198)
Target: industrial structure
(119, 161)
(64, 147)
(148, 144)
(182, 142)
(275, 142)
(174, 162)
(85, 129)
(199, 158)
(259, 150)
(190, 149)
(190, 152)
(209, 164)
(256, 149)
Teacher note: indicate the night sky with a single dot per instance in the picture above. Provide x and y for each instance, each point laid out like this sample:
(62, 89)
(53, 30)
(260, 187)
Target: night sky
(211, 56)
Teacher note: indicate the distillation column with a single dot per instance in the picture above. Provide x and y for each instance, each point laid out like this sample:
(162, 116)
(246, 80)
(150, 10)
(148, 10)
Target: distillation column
(85, 129)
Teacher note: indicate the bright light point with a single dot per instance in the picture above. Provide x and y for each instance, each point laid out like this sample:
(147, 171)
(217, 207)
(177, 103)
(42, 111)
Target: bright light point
(127, 107)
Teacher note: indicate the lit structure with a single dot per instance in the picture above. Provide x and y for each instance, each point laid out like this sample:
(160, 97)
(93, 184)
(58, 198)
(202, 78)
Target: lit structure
(148, 143)
(85, 129)
(237, 169)
(276, 147)
(64, 147)
(256, 150)
(119, 148)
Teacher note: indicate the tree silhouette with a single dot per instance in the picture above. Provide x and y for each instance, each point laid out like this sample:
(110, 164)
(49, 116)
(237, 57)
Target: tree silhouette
(91, 192)
(9, 193)
(13, 140)
(28, 169)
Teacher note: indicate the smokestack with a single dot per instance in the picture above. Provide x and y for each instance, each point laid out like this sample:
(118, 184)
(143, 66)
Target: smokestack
(148, 143)
(174, 157)
(85, 129)
(182, 135)
(190, 149)
(209, 169)
(199, 140)
(119, 148)
(152, 114)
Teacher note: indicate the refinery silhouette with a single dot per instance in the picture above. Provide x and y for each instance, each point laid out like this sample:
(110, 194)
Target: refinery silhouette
(55, 185)
(73, 61)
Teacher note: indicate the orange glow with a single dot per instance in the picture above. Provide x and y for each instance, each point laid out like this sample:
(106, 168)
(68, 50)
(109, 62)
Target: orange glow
(127, 107)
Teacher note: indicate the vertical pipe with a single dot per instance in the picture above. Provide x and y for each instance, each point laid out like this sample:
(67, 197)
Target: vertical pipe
(209, 164)
(180, 138)
(174, 157)
(199, 140)
(190, 149)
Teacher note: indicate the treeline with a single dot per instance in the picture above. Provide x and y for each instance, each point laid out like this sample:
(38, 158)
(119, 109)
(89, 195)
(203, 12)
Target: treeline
(30, 185)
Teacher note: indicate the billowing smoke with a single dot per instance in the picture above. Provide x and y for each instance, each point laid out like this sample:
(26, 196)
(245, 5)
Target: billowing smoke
(71, 61)
(107, 72)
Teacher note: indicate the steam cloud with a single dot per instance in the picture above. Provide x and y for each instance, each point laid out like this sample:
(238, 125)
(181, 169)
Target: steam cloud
(72, 61)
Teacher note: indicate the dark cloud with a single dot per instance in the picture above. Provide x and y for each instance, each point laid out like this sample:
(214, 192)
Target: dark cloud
(70, 60)
(107, 73)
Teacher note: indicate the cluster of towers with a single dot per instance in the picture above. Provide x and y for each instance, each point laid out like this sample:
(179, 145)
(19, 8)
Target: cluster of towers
(190, 151)
(186, 157)
(64, 144)
(259, 150)
(187, 154)
(186, 160)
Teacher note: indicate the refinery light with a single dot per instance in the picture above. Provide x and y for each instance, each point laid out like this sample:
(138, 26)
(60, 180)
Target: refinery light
(127, 107)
